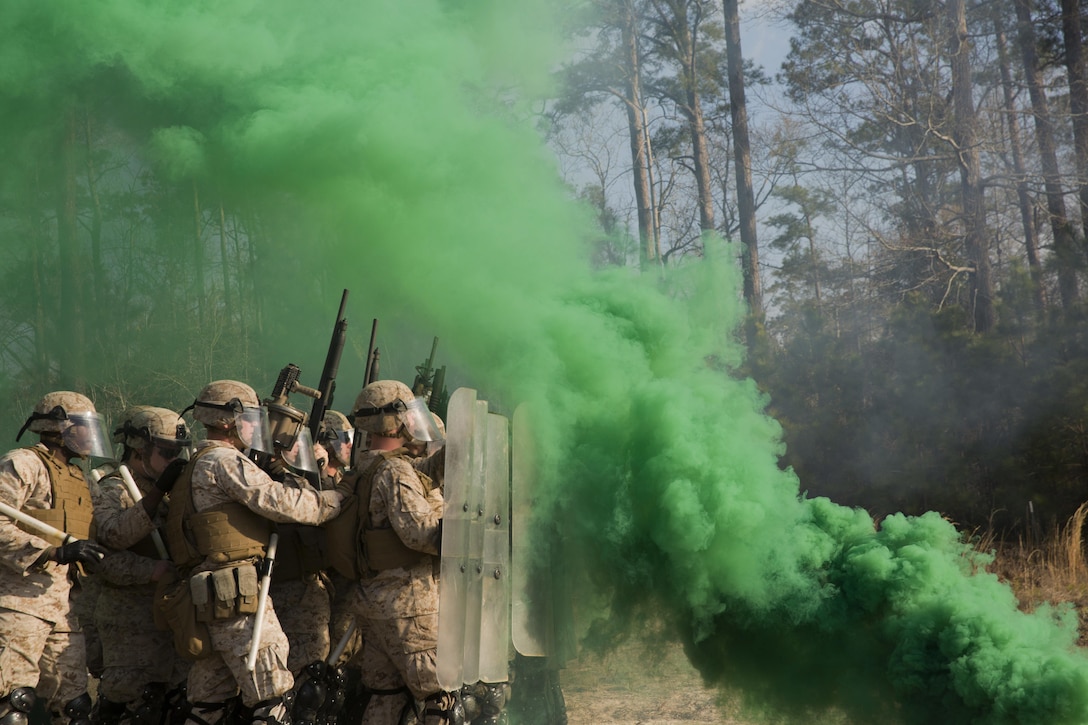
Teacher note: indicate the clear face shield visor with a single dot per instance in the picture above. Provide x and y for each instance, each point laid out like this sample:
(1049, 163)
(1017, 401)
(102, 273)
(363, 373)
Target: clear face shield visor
(87, 436)
(300, 455)
(253, 429)
(420, 423)
(171, 448)
(338, 444)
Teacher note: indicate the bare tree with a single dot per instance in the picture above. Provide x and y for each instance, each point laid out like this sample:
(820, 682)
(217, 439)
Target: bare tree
(742, 152)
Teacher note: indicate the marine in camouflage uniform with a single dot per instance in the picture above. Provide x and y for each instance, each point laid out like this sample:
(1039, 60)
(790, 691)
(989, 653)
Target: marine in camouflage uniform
(397, 601)
(139, 661)
(221, 515)
(335, 439)
(42, 652)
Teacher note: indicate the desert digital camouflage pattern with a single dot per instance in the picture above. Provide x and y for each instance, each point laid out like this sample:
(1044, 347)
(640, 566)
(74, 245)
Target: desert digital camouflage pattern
(40, 641)
(135, 652)
(221, 475)
(304, 617)
(43, 592)
(397, 608)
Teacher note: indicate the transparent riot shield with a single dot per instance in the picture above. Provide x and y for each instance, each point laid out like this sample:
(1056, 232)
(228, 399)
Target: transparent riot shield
(474, 589)
(542, 616)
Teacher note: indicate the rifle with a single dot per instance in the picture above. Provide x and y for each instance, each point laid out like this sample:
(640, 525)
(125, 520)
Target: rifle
(327, 385)
(370, 374)
(422, 386)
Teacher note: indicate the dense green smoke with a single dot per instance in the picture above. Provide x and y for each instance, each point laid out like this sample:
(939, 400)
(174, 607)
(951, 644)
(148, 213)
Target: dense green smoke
(378, 146)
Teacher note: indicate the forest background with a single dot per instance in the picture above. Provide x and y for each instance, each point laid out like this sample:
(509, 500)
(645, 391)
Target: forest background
(910, 198)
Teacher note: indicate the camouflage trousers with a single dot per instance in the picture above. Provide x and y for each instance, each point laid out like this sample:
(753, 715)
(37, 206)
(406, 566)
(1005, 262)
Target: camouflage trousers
(135, 652)
(303, 609)
(398, 654)
(341, 619)
(223, 674)
(134, 659)
(49, 657)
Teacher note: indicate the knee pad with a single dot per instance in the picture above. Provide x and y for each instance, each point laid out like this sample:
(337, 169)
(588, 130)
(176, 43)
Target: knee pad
(16, 706)
(148, 710)
(78, 710)
(108, 712)
(175, 706)
(309, 696)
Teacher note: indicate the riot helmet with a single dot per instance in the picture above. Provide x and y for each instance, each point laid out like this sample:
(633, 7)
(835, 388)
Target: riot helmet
(71, 419)
(144, 427)
(337, 435)
(226, 404)
(389, 408)
(298, 452)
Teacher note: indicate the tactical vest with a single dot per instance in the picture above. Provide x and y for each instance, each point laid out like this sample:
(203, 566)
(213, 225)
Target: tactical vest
(222, 534)
(145, 547)
(72, 511)
(356, 550)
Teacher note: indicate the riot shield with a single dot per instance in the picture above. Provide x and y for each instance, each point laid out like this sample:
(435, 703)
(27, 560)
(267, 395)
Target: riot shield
(542, 617)
(474, 589)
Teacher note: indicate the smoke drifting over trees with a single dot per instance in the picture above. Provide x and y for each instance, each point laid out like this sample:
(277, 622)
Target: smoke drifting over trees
(186, 190)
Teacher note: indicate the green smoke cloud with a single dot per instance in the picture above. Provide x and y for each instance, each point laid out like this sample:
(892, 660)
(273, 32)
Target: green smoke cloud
(379, 148)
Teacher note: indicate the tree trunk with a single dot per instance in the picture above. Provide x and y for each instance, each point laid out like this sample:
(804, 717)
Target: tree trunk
(966, 139)
(1064, 246)
(1031, 239)
(1078, 99)
(71, 358)
(742, 156)
(228, 308)
(684, 39)
(639, 136)
(198, 255)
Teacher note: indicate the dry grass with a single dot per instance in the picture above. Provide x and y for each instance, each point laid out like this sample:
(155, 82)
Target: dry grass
(656, 685)
(1052, 570)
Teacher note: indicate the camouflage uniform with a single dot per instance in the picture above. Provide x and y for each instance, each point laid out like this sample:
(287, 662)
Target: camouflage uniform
(301, 590)
(219, 476)
(41, 644)
(397, 608)
(135, 652)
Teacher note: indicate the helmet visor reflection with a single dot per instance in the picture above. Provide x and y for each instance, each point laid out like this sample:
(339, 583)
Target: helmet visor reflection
(87, 435)
(253, 430)
(420, 422)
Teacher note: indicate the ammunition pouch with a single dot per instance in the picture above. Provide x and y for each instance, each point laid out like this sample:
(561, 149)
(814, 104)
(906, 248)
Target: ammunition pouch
(224, 593)
(174, 608)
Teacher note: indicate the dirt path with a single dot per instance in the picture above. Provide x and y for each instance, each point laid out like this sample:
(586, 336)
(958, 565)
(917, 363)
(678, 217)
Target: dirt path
(635, 685)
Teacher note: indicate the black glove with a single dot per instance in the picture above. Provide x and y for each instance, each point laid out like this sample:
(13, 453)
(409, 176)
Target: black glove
(82, 551)
(275, 467)
(170, 475)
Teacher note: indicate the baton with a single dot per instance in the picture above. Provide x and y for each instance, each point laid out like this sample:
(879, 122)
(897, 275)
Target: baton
(39, 527)
(137, 496)
(342, 644)
(262, 602)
